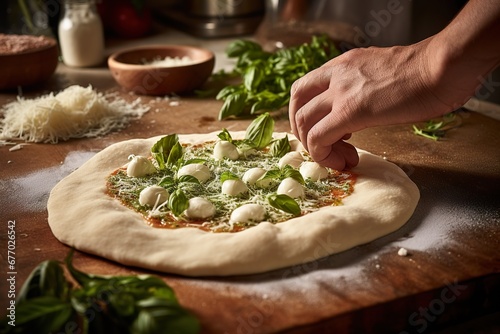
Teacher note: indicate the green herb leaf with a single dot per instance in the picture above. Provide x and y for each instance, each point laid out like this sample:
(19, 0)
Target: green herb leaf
(47, 279)
(234, 105)
(289, 171)
(266, 78)
(195, 161)
(280, 147)
(46, 314)
(274, 174)
(433, 129)
(228, 176)
(167, 182)
(422, 133)
(100, 304)
(239, 47)
(188, 179)
(178, 202)
(285, 203)
(260, 131)
(167, 151)
(162, 316)
(225, 136)
(175, 154)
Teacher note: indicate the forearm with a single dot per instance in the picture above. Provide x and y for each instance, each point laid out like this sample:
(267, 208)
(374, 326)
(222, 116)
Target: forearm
(467, 49)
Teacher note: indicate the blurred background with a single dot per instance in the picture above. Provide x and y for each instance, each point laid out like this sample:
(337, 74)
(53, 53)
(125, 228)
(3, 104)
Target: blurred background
(273, 23)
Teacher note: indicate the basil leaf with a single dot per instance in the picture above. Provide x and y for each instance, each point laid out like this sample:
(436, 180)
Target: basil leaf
(234, 105)
(284, 203)
(253, 77)
(289, 171)
(280, 147)
(225, 136)
(47, 279)
(228, 176)
(274, 174)
(226, 91)
(260, 131)
(167, 182)
(195, 161)
(122, 303)
(239, 47)
(84, 279)
(178, 202)
(162, 149)
(162, 316)
(45, 314)
(188, 179)
(175, 154)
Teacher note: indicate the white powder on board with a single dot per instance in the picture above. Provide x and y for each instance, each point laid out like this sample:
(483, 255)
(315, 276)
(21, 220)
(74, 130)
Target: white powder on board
(31, 192)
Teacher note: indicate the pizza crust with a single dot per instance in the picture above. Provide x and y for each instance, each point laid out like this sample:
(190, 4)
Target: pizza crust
(83, 216)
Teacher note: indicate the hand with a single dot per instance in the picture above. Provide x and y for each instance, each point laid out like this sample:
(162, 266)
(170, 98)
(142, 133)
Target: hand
(363, 88)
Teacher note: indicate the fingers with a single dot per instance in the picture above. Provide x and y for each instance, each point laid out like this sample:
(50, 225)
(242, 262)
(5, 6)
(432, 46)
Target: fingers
(305, 89)
(311, 114)
(339, 156)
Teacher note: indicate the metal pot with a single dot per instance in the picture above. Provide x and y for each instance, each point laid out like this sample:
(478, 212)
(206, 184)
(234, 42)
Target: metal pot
(225, 8)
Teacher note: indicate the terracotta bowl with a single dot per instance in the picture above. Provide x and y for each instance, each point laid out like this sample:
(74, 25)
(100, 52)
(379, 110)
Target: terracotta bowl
(27, 66)
(132, 69)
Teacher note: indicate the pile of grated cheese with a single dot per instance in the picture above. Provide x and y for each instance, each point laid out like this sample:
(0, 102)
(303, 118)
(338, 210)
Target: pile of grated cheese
(75, 112)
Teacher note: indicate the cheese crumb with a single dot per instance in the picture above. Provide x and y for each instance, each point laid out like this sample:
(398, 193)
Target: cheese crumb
(402, 252)
(15, 148)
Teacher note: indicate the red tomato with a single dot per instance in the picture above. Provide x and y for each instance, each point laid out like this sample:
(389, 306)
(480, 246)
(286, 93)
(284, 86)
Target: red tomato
(127, 20)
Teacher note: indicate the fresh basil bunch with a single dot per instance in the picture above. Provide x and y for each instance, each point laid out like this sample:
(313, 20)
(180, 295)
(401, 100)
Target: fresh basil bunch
(268, 76)
(49, 303)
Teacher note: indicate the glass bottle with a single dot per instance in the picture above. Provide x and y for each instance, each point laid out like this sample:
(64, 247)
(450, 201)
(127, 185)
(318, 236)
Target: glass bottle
(81, 35)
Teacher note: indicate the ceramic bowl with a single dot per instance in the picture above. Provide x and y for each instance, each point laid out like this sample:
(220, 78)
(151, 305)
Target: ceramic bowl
(30, 66)
(135, 71)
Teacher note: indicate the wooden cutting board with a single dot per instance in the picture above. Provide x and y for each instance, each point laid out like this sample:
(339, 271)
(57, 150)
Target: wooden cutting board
(451, 272)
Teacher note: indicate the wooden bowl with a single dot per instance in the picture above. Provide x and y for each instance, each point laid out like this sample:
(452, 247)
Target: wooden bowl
(30, 61)
(132, 69)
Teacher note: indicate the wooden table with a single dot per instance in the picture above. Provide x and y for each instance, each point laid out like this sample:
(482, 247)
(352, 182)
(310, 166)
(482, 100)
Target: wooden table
(451, 272)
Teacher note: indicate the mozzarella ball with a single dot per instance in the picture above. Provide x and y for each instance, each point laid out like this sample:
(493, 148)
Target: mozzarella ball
(253, 174)
(294, 159)
(292, 188)
(313, 171)
(224, 149)
(200, 208)
(248, 213)
(234, 187)
(140, 166)
(149, 196)
(199, 171)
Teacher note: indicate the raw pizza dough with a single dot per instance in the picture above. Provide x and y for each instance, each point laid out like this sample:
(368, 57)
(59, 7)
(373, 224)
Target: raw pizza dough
(82, 215)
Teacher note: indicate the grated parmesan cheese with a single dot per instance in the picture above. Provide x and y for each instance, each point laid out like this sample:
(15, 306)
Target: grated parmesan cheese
(75, 112)
(169, 61)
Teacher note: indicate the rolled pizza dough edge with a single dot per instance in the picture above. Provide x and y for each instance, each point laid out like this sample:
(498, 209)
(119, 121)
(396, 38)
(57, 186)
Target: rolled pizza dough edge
(83, 216)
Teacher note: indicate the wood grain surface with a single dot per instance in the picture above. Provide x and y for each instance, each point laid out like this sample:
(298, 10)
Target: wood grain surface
(451, 274)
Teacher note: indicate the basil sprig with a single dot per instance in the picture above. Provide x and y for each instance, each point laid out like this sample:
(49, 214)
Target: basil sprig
(266, 78)
(167, 151)
(283, 173)
(258, 135)
(118, 304)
